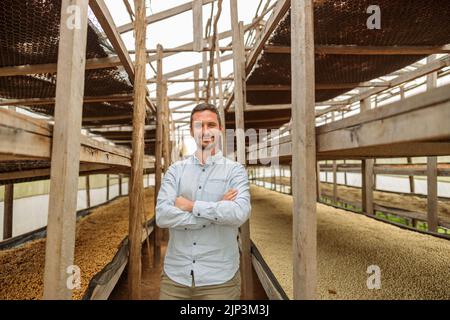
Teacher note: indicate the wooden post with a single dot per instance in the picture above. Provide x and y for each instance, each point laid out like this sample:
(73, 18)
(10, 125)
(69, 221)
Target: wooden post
(166, 129)
(367, 186)
(412, 188)
(136, 195)
(88, 192)
(221, 106)
(8, 211)
(335, 195)
(158, 148)
(65, 160)
(318, 189)
(345, 175)
(432, 195)
(120, 184)
(196, 85)
(239, 106)
(107, 187)
(374, 176)
(197, 9)
(303, 150)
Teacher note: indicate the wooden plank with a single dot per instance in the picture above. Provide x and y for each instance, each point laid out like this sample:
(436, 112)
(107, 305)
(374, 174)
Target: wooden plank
(367, 186)
(107, 187)
(409, 76)
(91, 64)
(191, 68)
(103, 291)
(432, 194)
(120, 184)
(88, 192)
(42, 174)
(158, 150)
(45, 101)
(31, 138)
(366, 50)
(136, 194)
(106, 21)
(319, 86)
(279, 12)
(8, 209)
(65, 157)
(197, 15)
(270, 289)
(159, 16)
(335, 191)
(240, 94)
(303, 152)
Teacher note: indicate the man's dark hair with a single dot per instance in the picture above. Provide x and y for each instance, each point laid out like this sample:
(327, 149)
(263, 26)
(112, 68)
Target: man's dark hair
(206, 106)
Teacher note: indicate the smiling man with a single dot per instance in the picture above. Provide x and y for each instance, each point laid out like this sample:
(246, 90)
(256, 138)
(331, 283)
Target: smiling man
(203, 200)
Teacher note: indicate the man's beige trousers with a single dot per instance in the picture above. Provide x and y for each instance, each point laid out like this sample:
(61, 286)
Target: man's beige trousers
(171, 290)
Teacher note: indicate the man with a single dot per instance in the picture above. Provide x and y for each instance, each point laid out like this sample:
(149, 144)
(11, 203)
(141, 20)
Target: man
(203, 200)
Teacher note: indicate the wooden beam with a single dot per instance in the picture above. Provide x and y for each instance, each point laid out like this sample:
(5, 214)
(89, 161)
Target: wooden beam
(158, 151)
(432, 183)
(8, 209)
(120, 184)
(197, 16)
(50, 101)
(365, 50)
(136, 194)
(319, 86)
(106, 21)
(88, 192)
(304, 151)
(409, 76)
(239, 92)
(367, 186)
(26, 137)
(60, 243)
(96, 63)
(159, 16)
(432, 194)
(188, 69)
(279, 11)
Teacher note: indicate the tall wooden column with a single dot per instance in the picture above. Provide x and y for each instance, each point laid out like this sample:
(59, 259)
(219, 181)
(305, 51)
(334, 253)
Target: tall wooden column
(88, 192)
(8, 211)
(367, 176)
(303, 150)
(432, 192)
(107, 186)
(136, 194)
(367, 186)
(158, 149)
(120, 184)
(60, 244)
(239, 106)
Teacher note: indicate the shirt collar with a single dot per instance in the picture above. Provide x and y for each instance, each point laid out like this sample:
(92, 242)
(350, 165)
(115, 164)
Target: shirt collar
(211, 160)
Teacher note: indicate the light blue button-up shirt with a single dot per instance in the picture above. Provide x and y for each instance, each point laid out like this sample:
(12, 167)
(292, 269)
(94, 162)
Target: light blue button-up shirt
(203, 242)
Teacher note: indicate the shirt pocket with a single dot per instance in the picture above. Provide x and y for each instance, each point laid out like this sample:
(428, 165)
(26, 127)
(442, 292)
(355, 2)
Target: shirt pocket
(215, 189)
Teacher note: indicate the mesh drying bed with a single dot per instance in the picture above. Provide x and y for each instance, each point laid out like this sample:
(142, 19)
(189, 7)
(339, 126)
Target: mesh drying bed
(343, 22)
(29, 35)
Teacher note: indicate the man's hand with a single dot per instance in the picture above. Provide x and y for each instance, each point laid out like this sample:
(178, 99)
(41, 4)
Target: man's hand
(230, 195)
(184, 204)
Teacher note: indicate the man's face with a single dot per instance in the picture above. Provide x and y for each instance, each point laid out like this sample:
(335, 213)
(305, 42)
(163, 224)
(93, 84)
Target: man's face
(205, 129)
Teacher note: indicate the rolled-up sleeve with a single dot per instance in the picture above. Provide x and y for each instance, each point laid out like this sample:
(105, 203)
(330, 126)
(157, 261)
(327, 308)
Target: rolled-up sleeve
(167, 214)
(233, 213)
